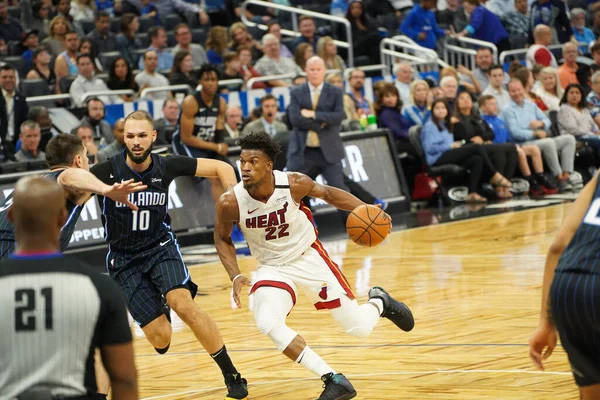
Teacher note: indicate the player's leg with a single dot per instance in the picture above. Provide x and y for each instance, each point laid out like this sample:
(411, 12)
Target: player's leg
(590, 392)
(172, 277)
(271, 306)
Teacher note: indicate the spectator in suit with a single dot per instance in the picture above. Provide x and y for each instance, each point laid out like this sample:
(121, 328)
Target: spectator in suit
(30, 141)
(118, 145)
(13, 110)
(170, 117)
(94, 118)
(183, 35)
(316, 111)
(307, 28)
(267, 123)
(233, 122)
(158, 43)
(103, 38)
(10, 28)
(41, 115)
(127, 43)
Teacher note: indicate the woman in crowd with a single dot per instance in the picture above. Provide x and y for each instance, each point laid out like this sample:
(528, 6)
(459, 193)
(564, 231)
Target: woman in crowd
(388, 108)
(247, 71)
(239, 36)
(216, 44)
(365, 37)
(471, 84)
(327, 50)
(55, 42)
(120, 77)
(35, 15)
(549, 90)
(182, 71)
(86, 46)
(303, 52)
(440, 148)
(469, 127)
(275, 29)
(417, 111)
(574, 118)
(127, 43)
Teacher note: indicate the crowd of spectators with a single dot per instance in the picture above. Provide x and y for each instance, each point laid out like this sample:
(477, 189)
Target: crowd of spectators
(528, 117)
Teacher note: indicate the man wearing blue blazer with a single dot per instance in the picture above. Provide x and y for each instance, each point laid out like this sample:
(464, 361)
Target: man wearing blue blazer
(316, 112)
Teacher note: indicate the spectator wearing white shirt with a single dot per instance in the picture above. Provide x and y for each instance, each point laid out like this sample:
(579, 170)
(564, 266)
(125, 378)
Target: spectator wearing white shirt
(273, 64)
(550, 90)
(86, 82)
(404, 76)
(496, 86)
(150, 78)
(233, 120)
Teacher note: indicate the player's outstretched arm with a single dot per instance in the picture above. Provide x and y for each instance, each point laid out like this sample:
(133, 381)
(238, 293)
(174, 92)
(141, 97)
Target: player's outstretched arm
(302, 186)
(227, 214)
(543, 341)
(81, 183)
(208, 168)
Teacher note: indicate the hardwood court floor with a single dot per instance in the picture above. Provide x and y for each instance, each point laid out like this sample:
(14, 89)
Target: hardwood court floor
(474, 288)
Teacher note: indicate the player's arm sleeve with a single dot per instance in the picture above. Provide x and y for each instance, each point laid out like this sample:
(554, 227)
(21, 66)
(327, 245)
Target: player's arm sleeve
(102, 171)
(113, 325)
(180, 166)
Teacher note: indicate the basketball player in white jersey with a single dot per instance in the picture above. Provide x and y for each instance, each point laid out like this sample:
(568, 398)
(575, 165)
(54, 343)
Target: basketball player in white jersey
(267, 204)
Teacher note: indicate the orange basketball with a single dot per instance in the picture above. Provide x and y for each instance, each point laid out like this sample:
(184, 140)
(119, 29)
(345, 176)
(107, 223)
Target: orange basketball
(368, 225)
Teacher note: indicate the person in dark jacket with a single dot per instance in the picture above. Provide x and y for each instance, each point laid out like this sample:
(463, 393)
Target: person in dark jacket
(365, 37)
(467, 125)
(552, 13)
(421, 26)
(388, 108)
(485, 25)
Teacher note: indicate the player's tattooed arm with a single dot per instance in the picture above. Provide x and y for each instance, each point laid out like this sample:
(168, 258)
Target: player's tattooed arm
(227, 215)
(208, 168)
(302, 186)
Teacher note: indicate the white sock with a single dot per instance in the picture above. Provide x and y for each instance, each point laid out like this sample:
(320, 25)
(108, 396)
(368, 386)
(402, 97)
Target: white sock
(377, 303)
(312, 362)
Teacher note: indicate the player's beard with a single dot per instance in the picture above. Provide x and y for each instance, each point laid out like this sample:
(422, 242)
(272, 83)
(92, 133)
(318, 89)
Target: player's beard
(139, 159)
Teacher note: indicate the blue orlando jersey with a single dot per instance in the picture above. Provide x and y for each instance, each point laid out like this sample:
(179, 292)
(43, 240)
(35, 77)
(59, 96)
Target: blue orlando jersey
(581, 255)
(7, 230)
(131, 231)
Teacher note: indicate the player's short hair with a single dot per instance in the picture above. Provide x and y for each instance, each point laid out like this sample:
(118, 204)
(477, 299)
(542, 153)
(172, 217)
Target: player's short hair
(260, 141)
(207, 68)
(62, 149)
(140, 115)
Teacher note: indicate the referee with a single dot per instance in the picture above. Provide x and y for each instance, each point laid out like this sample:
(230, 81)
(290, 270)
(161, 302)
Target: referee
(56, 311)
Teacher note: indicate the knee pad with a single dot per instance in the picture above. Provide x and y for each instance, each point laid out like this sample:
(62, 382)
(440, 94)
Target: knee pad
(359, 331)
(282, 336)
(265, 321)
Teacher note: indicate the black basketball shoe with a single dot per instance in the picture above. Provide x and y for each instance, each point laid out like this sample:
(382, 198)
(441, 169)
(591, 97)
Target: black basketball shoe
(337, 387)
(237, 387)
(395, 311)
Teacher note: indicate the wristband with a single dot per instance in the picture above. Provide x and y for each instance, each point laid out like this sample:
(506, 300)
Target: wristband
(237, 276)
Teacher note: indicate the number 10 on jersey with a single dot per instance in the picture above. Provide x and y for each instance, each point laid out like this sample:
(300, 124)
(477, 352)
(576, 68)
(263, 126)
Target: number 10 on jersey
(141, 220)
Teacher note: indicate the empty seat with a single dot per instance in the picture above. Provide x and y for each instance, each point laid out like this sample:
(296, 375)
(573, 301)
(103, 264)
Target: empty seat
(144, 40)
(88, 25)
(34, 87)
(108, 58)
(199, 36)
(171, 41)
(170, 21)
(18, 63)
(146, 23)
(15, 48)
(65, 83)
(115, 24)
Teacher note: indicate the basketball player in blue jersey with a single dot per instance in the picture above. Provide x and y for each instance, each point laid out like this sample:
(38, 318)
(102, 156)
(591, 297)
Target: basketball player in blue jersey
(571, 294)
(68, 162)
(143, 254)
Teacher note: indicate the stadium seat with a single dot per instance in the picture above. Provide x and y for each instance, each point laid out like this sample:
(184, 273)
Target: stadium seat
(171, 42)
(169, 131)
(34, 87)
(146, 23)
(440, 173)
(108, 58)
(15, 48)
(170, 21)
(115, 24)
(18, 63)
(15, 12)
(144, 39)
(65, 83)
(199, 36)
(87, 25)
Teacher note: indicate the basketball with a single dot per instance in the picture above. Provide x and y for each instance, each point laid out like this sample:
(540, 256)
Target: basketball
(368, 225)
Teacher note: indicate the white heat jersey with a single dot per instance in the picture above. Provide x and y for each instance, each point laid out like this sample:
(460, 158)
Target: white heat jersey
(278, 231)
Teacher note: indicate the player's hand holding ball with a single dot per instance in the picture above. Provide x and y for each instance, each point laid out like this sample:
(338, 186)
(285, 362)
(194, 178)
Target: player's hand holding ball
(368, 225)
